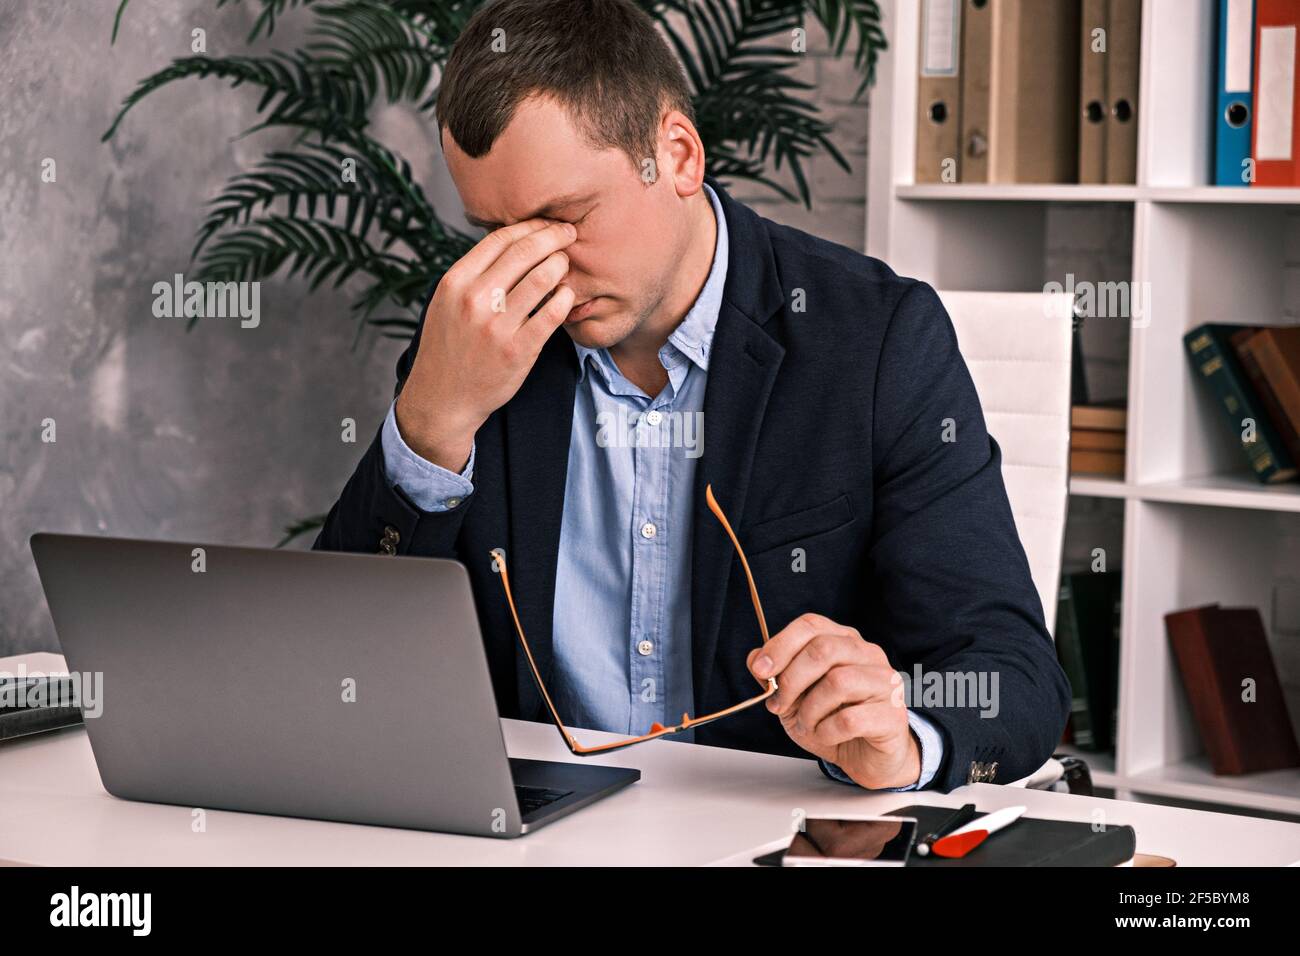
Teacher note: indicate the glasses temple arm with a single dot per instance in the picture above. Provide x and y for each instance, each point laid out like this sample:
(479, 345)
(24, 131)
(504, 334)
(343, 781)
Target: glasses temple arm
(500, 560)
(744, 562)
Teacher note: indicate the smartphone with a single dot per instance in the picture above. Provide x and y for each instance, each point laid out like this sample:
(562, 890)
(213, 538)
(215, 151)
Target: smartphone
(852, 841)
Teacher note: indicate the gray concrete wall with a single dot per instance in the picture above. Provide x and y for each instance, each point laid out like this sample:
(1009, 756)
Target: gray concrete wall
(221, 434)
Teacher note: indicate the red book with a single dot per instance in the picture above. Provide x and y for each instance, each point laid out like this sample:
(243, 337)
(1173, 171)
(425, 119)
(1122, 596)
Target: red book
(1248, 343)
(1275, 132)
(1232, 686)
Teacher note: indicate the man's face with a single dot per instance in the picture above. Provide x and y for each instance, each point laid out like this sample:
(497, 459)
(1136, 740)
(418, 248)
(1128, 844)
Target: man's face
(620, 264)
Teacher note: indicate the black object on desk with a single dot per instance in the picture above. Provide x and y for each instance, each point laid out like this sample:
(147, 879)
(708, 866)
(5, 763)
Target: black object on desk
(32, 705)
(1031, 842)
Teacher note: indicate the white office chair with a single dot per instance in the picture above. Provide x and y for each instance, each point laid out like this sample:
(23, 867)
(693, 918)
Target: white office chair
(1017, 346)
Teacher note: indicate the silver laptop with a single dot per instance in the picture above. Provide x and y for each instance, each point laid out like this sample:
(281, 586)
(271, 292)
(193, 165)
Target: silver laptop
(344, 687)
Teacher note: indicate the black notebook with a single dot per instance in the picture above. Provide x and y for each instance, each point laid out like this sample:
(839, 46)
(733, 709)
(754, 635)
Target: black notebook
(1027, 842)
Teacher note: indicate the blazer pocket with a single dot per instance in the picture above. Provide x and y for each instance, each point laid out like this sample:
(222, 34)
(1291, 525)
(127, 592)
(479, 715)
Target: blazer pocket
(798, 525)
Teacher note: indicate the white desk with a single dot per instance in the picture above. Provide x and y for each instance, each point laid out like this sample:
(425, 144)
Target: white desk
(693, 805)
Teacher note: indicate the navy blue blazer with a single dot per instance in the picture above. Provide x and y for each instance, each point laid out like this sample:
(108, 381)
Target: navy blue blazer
(830, 378)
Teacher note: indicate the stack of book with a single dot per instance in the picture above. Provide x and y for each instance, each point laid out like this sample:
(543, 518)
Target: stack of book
(1254, 374)
(1097, 439)
(1233, 688)
(1028, 91)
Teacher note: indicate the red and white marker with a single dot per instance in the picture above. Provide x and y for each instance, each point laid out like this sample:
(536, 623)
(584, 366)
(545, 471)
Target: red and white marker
(966, 838)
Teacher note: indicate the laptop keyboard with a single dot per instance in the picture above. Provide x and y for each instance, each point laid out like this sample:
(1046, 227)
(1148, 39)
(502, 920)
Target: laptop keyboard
(532, 799)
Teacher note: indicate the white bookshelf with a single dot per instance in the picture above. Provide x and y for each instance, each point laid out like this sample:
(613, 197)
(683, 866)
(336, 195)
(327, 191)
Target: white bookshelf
(1197, 526)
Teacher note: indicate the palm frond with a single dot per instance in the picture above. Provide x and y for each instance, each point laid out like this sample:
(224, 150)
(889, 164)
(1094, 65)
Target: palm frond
(748, 109)
(117, 21)
(294, 91)
(309, 182)
(440, 22)
(318, 250)
(406, 287)
(265, 22)
(843, 18)
(374, 45)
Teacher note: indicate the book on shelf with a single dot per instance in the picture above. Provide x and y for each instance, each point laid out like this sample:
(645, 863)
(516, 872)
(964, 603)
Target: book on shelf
(1103, 416)
(1046, 91)
(1087, 645)
(998, 90)
(1098, 439)
(1233, 689)
(1278, 388)
(1093, 104)
(1255, 106)
(1085, 462)
(1275, 131)
(1078, 728)
(1123, 46)
(1215, 363)
(1233, 112)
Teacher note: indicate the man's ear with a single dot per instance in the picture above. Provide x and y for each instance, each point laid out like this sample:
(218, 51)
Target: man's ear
(682, 150)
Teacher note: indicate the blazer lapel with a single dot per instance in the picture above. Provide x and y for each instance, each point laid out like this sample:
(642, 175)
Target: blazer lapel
(538, 424)
(743, 364)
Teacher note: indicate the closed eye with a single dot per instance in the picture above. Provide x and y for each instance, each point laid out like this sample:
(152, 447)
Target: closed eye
(491, 226)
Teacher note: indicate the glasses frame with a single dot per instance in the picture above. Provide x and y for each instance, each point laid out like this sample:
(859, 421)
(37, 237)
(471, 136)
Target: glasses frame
(657, 730)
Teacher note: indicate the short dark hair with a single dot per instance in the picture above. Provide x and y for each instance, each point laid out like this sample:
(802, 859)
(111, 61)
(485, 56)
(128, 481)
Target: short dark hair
(603, 60)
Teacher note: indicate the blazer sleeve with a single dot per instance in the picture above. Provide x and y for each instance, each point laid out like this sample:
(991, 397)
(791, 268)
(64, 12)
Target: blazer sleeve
(951, 584)
(370, 504)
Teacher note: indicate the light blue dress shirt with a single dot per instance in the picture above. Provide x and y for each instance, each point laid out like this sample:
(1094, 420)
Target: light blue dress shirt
(622, 619)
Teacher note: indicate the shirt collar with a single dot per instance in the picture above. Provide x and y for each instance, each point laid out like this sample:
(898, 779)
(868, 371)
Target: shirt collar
(692, 340)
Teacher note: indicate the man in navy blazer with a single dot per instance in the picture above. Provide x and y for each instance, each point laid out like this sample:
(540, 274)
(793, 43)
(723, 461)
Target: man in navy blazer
(841, 433)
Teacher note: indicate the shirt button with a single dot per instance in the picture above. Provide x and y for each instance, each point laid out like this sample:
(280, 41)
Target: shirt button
(645, 648)
(648, 530)
(654, 418)
(453, 502)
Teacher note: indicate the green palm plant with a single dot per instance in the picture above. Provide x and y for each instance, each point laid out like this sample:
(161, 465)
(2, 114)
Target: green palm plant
(296, 214)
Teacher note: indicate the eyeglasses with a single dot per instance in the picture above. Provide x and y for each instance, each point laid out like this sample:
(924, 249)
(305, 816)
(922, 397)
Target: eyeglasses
(656, 729)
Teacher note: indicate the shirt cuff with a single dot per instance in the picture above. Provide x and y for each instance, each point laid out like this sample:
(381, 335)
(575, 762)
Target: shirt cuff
(929, 741)
(430, 487)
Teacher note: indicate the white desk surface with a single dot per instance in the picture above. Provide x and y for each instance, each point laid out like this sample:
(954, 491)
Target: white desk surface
(693, 805)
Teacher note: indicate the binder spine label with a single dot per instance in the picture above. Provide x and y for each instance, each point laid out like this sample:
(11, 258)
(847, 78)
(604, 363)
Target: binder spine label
(1275, 104)
(1236, 48)
(941, 45)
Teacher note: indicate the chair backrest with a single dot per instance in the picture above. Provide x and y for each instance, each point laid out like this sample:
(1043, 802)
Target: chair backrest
(1017, 346)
